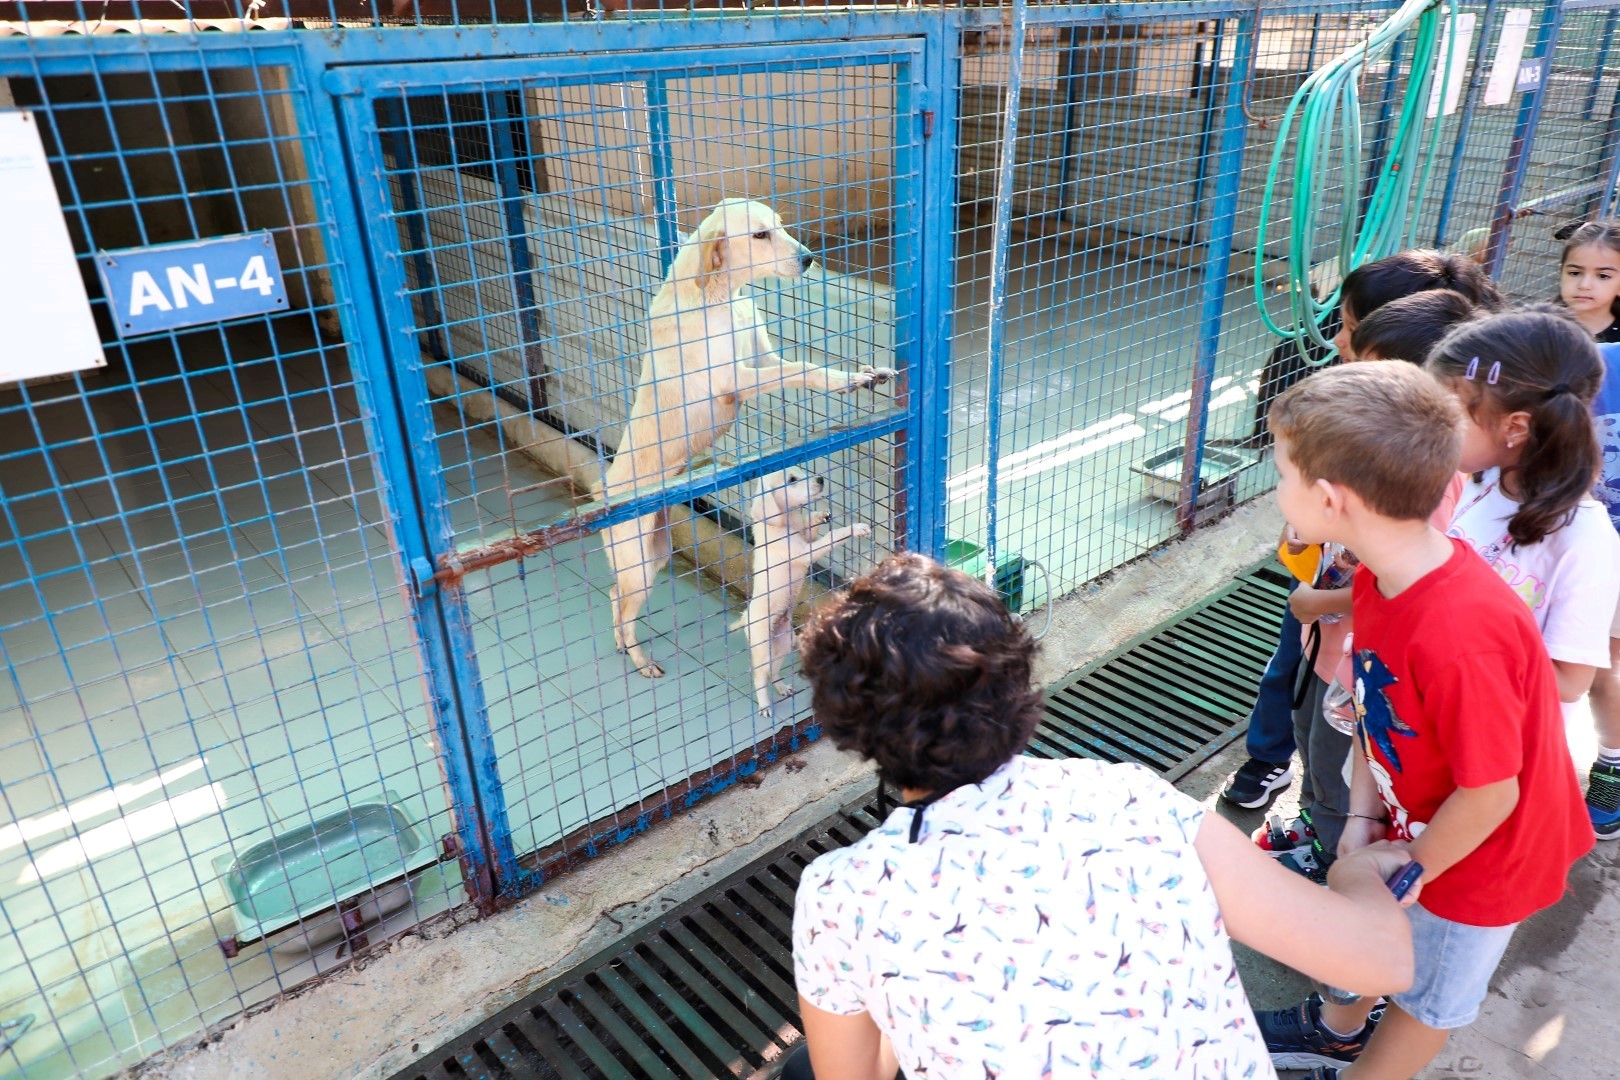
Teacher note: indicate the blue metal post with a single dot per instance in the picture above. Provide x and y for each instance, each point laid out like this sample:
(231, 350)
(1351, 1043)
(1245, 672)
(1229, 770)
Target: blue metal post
(1206, 132)
(930, 270)
(1000, 241)
(1524, 134)
(663, 170)
(393, 115)
(504, 125)
(1217, 264)
(1607, 202)
(1610, 24)
(403, 434)
(1478, 76)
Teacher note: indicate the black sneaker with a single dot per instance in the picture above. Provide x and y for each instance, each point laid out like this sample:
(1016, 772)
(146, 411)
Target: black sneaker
(1296, 1038)
(1254, 785)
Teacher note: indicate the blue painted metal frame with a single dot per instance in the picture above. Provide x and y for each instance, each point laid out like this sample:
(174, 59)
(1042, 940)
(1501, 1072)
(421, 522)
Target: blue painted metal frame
(397, 145)
(504, 126)
(408, 456)
(1000, 242)
(1524, 131)
(358, 88)
(1217, 266)
(663, 170)
(929, 436)
(1478, 77)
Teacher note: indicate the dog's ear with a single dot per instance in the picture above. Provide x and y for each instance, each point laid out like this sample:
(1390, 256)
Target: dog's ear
(711, 251)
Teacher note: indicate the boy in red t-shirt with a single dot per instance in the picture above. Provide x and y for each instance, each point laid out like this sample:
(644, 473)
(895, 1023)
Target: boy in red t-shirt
(1463, 755)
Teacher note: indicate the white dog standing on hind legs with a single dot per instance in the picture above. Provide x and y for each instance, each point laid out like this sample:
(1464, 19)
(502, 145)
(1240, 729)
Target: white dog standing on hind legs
(707, 352)
(785, 544)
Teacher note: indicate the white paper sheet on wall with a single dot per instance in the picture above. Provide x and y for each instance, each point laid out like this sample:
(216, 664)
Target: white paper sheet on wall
(1452, 73)
(43, 305)
(1509, 52)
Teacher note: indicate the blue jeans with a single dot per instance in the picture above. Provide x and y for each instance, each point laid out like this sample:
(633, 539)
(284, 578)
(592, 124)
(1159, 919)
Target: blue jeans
(1271, 724)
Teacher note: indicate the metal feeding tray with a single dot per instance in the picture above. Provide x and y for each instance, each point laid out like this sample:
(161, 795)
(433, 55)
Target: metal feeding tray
(1217, 476)
(329, 863)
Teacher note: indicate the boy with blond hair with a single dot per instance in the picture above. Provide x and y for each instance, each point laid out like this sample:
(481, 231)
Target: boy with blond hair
(1460, 741)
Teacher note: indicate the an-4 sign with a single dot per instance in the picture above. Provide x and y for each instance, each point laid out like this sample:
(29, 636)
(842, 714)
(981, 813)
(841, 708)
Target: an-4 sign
(174, 285)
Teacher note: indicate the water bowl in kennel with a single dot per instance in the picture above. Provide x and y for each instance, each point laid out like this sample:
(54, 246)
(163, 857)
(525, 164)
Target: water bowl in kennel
(349, 866)
(1217, 476)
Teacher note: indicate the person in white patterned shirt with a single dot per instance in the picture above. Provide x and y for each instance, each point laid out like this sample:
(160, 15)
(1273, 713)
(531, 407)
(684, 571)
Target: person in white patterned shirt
(1027, 918)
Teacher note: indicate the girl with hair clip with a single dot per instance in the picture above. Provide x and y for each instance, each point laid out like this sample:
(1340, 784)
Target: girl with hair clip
(1589, 276)
(1589, 286)
(1527, 380)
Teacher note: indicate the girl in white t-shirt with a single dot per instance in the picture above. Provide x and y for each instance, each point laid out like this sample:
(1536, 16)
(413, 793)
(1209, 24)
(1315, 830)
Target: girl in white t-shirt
(1527, 380)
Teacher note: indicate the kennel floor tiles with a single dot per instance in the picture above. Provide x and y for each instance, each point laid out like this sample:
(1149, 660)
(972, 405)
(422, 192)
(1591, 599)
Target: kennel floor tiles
(224, 658)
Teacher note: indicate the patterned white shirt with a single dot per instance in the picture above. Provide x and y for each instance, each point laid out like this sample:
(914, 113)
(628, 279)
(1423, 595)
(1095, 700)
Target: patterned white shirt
(1052, 921)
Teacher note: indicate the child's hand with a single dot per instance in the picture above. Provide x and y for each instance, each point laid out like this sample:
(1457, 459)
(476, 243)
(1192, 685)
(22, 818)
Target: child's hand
(1296, 546)
(1384, 858)
(1306, 602)
(1359, 832)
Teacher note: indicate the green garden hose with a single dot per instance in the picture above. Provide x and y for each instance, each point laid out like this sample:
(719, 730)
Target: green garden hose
(1328, 102)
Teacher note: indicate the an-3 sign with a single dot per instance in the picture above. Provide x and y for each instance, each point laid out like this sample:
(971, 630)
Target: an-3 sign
(174, 285)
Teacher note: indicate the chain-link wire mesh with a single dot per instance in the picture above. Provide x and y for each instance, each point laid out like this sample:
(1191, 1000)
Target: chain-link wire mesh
(310, 622)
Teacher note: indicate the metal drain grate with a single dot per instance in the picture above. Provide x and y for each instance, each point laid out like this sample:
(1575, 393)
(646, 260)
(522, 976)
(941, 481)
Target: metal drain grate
(707, 991)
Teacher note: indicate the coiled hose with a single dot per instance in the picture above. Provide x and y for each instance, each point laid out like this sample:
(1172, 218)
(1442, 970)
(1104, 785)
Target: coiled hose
(1328, 102)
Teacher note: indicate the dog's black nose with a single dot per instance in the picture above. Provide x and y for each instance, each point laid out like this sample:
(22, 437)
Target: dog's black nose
(821, 483)
(806, 260)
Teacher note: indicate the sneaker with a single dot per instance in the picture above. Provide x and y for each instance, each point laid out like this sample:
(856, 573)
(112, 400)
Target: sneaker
(1296, 1038)
(1276, 839)
(1603, 800)
(1255, 784)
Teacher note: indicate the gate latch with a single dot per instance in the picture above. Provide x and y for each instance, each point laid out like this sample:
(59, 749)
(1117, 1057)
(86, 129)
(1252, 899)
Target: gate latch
(422, 578)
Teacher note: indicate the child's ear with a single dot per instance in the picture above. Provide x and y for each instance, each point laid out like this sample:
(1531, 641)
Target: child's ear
(1333, 498)
(1515, 429)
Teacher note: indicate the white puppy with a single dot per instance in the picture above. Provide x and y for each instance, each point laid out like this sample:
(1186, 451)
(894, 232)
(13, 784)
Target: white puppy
(785, 544)
(707, 353)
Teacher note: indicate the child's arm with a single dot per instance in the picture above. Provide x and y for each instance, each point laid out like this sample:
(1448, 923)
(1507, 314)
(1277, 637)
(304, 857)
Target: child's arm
(1574, 680)
(1310, 603)
(848, 1046)
(1463, 822)
(1369, 819)
(1352, 935)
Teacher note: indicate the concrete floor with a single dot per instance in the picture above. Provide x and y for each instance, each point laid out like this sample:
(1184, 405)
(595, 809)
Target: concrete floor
(1545, 1015)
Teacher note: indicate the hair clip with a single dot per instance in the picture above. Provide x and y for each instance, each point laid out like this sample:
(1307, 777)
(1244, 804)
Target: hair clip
(1473, 369)
(1496, 373)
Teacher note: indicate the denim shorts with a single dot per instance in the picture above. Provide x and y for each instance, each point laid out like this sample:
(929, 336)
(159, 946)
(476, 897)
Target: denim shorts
(1452, 968)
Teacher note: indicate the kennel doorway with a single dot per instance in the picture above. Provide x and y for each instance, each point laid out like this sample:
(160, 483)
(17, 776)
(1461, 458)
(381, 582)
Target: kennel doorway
(528, 216)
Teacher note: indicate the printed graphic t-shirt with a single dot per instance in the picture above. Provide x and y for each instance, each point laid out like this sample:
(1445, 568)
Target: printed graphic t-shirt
(1454, 689)
(1053, 920)
(1570, 580)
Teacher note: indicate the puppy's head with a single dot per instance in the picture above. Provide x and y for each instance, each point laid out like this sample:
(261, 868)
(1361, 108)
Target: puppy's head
(785, 492)
(739, 242)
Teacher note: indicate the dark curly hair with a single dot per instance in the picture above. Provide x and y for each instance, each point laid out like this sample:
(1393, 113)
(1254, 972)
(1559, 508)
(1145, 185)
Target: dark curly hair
(921, 670)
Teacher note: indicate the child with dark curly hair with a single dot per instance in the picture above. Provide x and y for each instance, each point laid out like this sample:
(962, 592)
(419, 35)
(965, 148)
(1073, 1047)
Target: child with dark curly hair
(1023, 917)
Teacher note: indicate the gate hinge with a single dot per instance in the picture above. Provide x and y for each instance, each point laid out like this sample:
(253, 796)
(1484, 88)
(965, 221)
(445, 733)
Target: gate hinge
(928, 123)
(422, 578)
